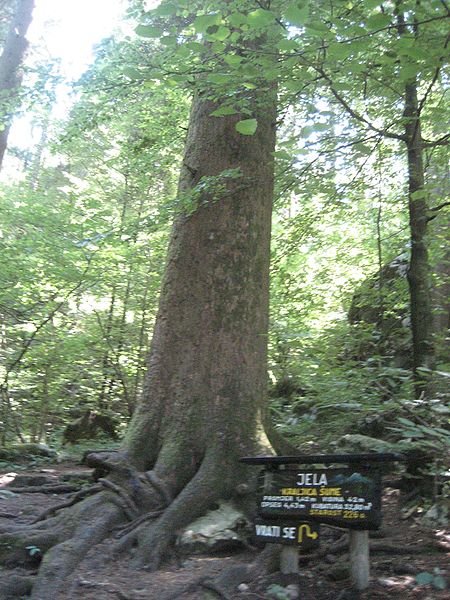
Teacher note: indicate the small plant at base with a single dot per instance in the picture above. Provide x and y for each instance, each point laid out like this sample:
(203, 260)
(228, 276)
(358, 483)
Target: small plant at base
(33, 551)
(435, 579)
(277, 592)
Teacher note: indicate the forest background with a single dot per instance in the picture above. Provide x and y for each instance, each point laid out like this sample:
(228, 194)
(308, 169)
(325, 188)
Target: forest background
(360, 255)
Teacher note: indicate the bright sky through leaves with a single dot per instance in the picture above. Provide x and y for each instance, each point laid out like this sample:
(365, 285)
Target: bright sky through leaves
(69, 29)
(66, 30)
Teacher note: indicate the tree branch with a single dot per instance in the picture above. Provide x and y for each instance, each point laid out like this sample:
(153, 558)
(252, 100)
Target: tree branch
(443, 141)
(353, 113)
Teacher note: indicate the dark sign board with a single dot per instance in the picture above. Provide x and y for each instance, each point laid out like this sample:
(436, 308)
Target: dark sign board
(347, 497)
(288, 531)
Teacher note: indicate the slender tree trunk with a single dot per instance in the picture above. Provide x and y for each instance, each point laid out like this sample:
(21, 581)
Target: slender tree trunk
(108, 379)
(10, 63)
(419, 269)
(36, 162)
(142, 342)
(106, 361)
(419, 273)
(441, 289)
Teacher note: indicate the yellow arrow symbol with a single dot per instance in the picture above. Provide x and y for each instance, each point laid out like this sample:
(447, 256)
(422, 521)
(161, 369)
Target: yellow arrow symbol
(311, 534)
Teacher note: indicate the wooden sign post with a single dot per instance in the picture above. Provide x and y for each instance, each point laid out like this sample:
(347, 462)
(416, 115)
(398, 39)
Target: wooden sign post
(359, 559)
(347, 496)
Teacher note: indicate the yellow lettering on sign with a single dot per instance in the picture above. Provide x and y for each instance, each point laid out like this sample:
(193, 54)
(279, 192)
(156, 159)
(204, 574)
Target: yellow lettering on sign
(329, 491)
(325, 513)
(298, 492)
(307, 491)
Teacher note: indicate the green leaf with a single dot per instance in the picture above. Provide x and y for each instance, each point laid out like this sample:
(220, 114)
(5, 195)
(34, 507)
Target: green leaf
(222, 111)
(378, 21)
(232, 59)
(296, 15)
(408, 72)
(340, 51)
(320, 127)
(203, 22)
(294, 85)
(195, 46)
(419, 195)
(132, 73)
(439, 582)
(217, 47)
(247, 126)
(183, 51)
(236, 19)
(363, 149)
(287, 45)
(271, 74)
(219, 78)
(416, 53)
(148, 31)
(165, 9)
(317, 29)
(424, 578)
(169, 40)
(307, 131)
(282, 154)
(221, 34)
(372, 3)
(403, 44)
(260, 18)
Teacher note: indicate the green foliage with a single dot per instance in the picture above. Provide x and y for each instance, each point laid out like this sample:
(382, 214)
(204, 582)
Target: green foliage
(33, 551)
(83, 244)
(277, 592)
(434, 579)
(247, 126)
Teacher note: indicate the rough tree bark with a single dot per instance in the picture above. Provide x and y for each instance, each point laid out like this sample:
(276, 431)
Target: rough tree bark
(10, 62)
(419, 272)
(203, 402)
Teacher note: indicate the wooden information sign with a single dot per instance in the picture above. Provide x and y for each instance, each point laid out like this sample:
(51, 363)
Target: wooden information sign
(347, 497)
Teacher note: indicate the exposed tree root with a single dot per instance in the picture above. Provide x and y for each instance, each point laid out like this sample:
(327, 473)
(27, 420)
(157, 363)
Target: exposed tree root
(16, 586)
(132, 506)
(193, 501)
(111, 589)
(45, 489)
(93, 523)
(50, 512)
(159, 486)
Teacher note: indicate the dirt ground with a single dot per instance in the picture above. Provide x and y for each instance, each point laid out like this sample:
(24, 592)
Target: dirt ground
(399, 551)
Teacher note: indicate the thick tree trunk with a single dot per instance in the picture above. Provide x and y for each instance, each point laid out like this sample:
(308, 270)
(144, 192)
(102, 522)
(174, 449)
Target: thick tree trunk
(205, 389)
(203, 401)
(10, 63)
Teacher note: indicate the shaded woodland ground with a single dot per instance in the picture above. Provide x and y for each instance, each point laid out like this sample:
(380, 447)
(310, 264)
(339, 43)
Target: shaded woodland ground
(400, 550)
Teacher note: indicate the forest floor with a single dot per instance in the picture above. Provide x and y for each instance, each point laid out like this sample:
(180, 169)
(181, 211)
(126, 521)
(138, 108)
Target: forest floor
(402, 549)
